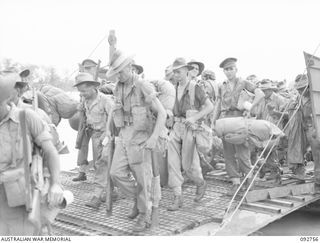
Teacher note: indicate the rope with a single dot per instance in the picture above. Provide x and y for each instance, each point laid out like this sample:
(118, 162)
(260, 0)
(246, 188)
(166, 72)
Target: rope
(228, 219)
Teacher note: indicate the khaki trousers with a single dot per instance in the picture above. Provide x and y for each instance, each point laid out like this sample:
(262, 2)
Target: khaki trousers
(128, 157)
(182, 155)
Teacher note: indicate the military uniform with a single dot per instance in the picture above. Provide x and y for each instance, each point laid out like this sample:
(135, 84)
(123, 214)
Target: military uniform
(132, 116)
(96, 119)
(13, 220)
(229, 108)
(182, 152)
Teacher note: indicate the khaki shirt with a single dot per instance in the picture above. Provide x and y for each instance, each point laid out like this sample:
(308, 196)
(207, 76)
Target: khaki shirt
(180, 107)
(11, 142)
(230, 96)
(97, 112)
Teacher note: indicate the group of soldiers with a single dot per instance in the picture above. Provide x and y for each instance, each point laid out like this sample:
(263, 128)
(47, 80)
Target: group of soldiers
(119, 106)
(148, 133)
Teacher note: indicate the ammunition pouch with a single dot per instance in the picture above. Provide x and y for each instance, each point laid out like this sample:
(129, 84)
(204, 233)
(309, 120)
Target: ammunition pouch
(15, 186)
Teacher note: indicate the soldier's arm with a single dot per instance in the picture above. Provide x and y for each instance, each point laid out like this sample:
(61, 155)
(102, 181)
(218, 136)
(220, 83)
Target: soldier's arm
(217, 107)
(41, 136)
(258, 93)
(149, 92)
(205, 102)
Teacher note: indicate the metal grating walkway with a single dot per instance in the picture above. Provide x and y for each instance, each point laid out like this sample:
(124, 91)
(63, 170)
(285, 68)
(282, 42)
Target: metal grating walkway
(78, 219)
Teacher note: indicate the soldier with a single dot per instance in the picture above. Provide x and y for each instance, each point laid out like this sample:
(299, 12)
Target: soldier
(137, 137)
(227, 106)
(182, 152)
(301, 131)
(272, 106)
(14, 220)
(194, 73)
(96, 107)
(15, 99)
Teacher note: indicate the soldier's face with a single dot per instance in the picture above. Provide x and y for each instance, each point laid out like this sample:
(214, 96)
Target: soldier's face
(86, 91)
(195, 71)
(124, 75)
(230, 72)
(180, 74)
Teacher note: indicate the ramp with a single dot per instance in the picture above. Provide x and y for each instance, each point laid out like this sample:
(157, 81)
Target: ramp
(193, 218)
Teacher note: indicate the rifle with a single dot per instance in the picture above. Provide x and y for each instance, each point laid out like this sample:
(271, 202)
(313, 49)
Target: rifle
(109, 187)
(37, 179)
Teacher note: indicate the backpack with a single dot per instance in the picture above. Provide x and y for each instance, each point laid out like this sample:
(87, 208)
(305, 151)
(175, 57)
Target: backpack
(59, 101)
(165, 92)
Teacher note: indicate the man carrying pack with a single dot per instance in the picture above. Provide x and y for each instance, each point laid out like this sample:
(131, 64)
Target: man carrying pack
(14, 220)
(96, 107)
(301, 131)
(137, 137)
(190, 107)
(227, 106)
(272, 106)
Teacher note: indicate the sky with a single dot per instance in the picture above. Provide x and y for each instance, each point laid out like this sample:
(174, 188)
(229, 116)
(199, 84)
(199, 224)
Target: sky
(267, 37)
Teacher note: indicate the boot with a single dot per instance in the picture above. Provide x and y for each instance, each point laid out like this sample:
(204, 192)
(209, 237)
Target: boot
(134, 211)
(114, 196)
(200, 191)
(81, 177)
(94, 203)
(141, 223)
(155, 217)
(177, 203)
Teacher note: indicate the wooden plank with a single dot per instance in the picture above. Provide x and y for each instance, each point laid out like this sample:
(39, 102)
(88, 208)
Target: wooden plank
(278, 202)
(261, 208)
(278, 192)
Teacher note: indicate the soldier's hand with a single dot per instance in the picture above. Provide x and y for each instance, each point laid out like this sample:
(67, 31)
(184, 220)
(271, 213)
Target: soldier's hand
(190, 121)
(55, 196)
(247, 114)
(169, 122)
(112, 39)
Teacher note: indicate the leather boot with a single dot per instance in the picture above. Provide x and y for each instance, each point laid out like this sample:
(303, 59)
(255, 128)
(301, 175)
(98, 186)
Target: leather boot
(94, 203)
(141, 223)
(200, 191)
(81, 177)
(155, 217)
(177, 203)
(134, 211)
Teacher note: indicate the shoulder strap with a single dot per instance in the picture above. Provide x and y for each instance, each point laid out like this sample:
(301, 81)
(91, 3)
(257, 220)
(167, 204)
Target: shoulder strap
(192, 93)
